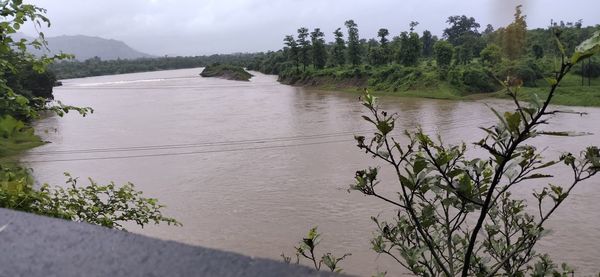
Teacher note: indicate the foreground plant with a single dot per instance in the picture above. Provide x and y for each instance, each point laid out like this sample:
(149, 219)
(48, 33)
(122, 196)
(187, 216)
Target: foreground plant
(306, 250)
(105, 205)
(456, 216)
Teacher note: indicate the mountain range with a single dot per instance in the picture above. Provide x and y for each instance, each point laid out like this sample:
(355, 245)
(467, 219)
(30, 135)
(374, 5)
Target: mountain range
(86, 47)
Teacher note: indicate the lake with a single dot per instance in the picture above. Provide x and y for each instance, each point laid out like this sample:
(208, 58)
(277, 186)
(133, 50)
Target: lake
(250, 167)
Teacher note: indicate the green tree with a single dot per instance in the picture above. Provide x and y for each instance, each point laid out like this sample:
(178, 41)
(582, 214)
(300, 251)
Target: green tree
(319, 53)
(463, 54)
(412, 25)
(410, 49)
(382, 34)
(489, 29)
(303, 47)
(292, 50)
(382, 54)
(427, 40)
(461, 27)
(491, 55)
(353, 43)
(514, 36)
(339, 48)
(443, 52)
(538, 51)
(377, 55)
(455, 214)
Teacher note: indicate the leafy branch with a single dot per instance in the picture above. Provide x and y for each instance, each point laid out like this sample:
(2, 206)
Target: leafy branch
(306, 250)
(440, 187)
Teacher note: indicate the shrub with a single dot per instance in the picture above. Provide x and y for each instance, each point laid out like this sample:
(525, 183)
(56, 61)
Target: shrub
(491, 55)
(472, 78)
(105, 205)
(477, 80)
(527, 71)
(455, 214)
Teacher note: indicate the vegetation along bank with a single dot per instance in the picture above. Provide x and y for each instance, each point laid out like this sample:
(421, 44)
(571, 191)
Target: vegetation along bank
(466, 62)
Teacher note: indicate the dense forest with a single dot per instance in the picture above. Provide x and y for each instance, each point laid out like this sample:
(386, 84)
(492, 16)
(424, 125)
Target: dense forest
(466, 59)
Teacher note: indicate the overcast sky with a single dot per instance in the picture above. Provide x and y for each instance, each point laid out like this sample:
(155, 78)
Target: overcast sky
(197, 27)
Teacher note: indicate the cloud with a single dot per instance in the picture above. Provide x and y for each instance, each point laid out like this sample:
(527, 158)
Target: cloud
(191, 27)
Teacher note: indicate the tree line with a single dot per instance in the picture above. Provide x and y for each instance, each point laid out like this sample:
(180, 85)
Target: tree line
(466, 55)
(67, 69)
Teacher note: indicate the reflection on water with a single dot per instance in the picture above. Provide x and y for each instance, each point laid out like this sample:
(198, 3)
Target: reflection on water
(250, 167)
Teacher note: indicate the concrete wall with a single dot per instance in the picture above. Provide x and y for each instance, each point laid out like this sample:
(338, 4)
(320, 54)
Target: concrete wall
(32, 245)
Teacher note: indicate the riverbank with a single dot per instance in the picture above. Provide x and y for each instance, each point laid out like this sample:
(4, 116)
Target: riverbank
(16, 137)
(571, 93)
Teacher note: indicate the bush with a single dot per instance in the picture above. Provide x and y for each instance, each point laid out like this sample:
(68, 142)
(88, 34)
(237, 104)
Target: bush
(477, 80)
(104, 205)
(527, 71)
(472, 78)
(491, 55)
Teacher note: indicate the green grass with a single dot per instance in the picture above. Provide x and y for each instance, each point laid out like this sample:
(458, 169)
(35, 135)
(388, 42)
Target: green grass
(564, 95)
(422, 82)
(16, 137)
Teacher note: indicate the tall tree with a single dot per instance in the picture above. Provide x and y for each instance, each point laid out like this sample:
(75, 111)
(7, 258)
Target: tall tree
(488, 29)
(383, 53)
(304, 45)
(353, 43)
(443, 51)
(291, 50)
(514, 36)
(375, 53)
(412, 25)
(461, 27)
(382, 34)
(339, 48)
(410, 48)
(319, 53)
(427, 40)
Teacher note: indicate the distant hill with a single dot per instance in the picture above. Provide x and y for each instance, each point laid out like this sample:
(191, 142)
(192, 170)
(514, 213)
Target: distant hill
(86, 47)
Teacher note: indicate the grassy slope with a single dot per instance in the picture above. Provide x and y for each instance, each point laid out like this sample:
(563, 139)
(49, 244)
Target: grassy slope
(571, 92)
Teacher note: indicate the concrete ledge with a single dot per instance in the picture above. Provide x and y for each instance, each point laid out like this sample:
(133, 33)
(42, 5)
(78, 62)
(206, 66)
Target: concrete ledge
(32, 245)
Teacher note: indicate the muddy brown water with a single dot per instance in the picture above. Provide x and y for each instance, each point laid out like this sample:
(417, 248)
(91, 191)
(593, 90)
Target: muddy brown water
(249, 167)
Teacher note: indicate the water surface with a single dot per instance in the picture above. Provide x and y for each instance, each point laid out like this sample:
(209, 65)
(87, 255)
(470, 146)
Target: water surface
(249, 167)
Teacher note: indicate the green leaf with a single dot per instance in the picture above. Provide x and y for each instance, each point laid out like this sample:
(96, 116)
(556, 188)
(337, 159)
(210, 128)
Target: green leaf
(551, 81)
(368, 119)
(419, 165)
(407, 183)
(502, 120)
(513, 120)
(465, 187)
(587, 48)
(384, 127)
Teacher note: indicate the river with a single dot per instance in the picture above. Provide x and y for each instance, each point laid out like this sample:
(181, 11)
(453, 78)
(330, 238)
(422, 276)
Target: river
(249, 167)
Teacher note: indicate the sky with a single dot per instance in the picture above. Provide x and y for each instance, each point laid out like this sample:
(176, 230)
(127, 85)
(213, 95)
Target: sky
(201, 27)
